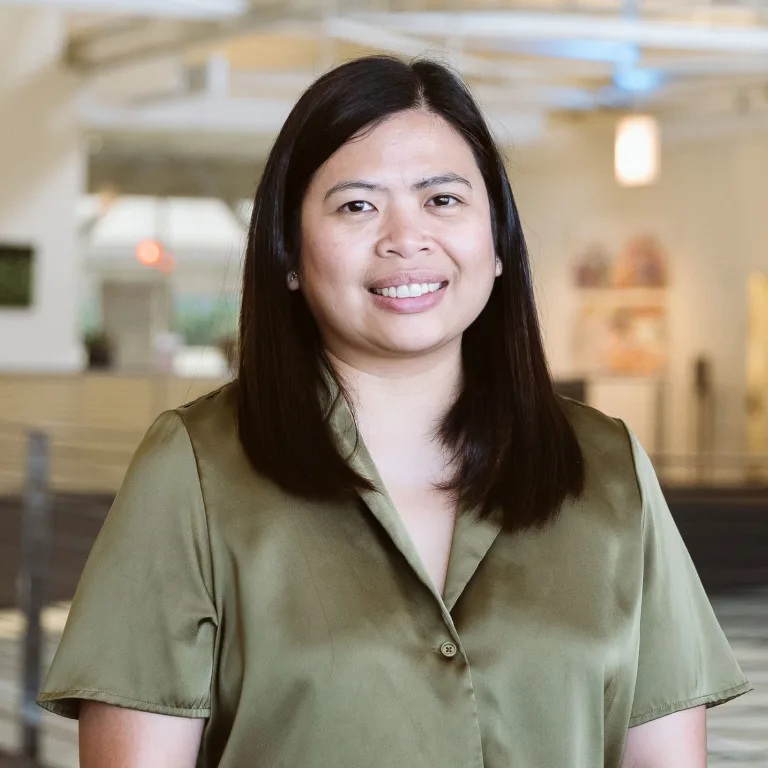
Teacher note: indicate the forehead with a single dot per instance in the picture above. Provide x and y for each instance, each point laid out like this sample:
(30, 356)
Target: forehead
(406, 144)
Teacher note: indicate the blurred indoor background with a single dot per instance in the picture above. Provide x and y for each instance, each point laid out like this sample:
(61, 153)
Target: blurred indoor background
(132, 134)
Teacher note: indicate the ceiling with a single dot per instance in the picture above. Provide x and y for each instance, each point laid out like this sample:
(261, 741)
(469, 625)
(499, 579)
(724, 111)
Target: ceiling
(175, 89)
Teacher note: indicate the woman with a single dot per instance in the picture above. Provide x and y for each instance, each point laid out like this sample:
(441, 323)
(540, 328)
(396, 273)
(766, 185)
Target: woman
(389, 543)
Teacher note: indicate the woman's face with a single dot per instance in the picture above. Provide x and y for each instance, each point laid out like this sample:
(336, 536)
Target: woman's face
(397, 252)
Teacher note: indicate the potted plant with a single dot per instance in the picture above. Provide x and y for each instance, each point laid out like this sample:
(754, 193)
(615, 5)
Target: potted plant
(99, 349)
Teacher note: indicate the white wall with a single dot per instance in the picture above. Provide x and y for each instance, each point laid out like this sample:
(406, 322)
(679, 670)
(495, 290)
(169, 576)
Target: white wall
(41, 179)
(711, 211)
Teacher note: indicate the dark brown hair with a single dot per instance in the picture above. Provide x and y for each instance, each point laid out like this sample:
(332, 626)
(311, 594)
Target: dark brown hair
(516, 452)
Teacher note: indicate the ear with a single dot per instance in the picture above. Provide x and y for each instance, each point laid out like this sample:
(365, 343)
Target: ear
(499, 267)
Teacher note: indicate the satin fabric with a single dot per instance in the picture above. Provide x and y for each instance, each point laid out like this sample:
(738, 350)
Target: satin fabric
(310, 635)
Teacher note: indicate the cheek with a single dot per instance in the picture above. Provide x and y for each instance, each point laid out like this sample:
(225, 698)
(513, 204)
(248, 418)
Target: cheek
(474, 251)
(324, 257)
(332, 272)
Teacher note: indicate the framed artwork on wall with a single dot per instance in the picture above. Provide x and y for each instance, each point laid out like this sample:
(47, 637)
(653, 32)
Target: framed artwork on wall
(16, 263)
(621, 322)
(616, 336)
(641, 263)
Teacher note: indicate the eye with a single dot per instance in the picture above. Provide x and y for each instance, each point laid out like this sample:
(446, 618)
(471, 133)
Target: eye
(444, 201)
(356, 206)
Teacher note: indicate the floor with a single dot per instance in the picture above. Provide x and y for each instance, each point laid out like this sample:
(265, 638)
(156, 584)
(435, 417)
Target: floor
(738, 731)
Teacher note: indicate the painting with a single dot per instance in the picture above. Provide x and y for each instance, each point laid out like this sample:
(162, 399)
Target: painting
(621, 327)
(593, 267)
(616, 339)
(641, 263)
(15, 276)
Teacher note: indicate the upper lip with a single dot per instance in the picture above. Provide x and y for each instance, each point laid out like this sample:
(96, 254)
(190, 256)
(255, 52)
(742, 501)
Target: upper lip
(407, 278)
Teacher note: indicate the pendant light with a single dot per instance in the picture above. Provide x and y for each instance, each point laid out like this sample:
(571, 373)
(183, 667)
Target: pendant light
(638, 151)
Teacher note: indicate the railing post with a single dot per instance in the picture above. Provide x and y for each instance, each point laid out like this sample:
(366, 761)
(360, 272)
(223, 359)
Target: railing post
(32, 585)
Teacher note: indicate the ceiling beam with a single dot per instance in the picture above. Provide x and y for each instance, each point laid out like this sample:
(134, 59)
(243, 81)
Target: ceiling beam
(90, 57)
(541, 97)
(246, 121)
(383, 39)
(106, 30)
(172, 9)
(519, 25)
(220, 116)
(708, 67)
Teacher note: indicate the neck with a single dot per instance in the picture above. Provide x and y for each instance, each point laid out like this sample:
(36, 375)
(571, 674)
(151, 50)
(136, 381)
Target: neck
(405, 399)
(399, 406)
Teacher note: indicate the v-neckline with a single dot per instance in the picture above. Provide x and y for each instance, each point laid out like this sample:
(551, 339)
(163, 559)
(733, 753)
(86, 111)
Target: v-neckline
(472, 536)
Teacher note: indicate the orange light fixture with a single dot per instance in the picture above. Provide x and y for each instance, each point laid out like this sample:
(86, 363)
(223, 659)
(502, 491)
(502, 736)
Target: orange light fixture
(149, 252)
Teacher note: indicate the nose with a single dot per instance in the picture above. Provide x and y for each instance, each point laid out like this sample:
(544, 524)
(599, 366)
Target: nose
(404, 235)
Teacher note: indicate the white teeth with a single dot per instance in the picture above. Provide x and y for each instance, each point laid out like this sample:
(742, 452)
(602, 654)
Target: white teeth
(408, 291)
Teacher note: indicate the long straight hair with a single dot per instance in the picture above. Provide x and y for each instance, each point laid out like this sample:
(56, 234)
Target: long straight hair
(514, 449)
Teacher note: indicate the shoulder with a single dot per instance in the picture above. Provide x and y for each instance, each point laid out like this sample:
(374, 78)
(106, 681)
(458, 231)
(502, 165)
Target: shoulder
(215, 410)
(176, 436)
(609, 448)
(595, 430)
(212, 414)
(210, 422)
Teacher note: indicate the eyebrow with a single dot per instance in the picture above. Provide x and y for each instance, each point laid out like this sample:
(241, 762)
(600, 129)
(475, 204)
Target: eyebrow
(426, 183)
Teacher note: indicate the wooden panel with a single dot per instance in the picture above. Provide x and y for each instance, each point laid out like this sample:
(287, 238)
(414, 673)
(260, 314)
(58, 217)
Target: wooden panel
(34, 400)
(111, 402)
(13, 457)
(95, 422)
(181, 391)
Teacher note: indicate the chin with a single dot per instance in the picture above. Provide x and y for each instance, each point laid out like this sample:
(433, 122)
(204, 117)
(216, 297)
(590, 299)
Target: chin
(413, 345)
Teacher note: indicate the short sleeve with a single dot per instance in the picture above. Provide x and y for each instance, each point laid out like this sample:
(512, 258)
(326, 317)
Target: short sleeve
(684, 658)
(142, 627)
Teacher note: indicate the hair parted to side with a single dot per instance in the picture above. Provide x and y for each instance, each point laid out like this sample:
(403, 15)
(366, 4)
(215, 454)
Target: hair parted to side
(516, 452)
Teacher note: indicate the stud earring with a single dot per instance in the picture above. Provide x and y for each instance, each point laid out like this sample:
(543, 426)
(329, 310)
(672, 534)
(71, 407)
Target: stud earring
(293, 277)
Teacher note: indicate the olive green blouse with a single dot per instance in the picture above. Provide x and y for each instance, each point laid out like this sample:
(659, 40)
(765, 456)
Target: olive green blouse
(310, 635)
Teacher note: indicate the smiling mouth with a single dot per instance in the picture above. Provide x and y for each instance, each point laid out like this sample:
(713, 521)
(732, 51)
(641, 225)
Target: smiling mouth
(411, 291)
